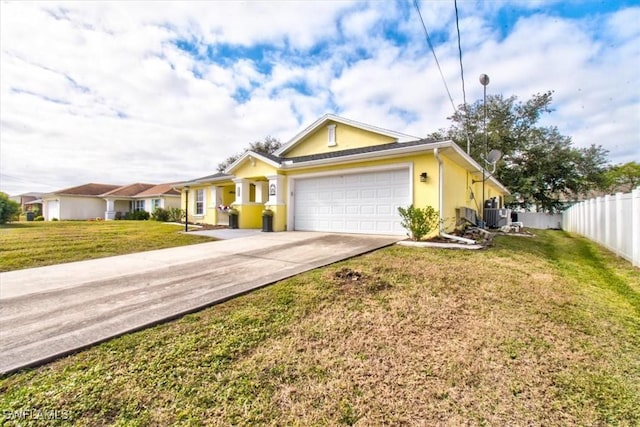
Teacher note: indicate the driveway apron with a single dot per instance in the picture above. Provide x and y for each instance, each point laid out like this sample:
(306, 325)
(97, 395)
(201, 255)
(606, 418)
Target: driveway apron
(49, 312)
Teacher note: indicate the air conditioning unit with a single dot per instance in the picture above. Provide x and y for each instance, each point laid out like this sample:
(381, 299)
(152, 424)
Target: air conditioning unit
(496, 218)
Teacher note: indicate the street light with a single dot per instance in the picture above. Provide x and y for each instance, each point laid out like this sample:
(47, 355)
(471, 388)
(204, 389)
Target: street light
(186, 209)
(484, 81)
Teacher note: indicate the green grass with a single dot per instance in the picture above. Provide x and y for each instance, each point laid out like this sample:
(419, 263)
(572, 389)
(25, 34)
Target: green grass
(542, 331)
(36, 244)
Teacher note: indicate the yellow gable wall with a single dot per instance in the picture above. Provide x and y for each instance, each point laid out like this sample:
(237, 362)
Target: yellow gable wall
(249, 170)
(346, 137)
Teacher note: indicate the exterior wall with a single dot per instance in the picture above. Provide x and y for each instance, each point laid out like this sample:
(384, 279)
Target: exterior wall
(211, 213)
(457, 183)
(171, 202)
(81, 207)
(346, 137)
(259, 170)
(457, 192)
(165, 203)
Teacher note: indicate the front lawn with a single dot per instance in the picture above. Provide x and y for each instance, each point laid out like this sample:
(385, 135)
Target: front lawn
(35, 244)
(542, 331)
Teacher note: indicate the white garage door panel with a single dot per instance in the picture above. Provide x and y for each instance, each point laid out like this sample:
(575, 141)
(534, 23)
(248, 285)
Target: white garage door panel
(352, 203)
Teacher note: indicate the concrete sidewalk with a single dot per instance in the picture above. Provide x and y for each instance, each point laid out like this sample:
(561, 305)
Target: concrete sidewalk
(52, 311)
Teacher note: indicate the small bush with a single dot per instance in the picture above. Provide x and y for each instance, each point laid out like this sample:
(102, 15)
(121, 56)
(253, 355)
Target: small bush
(39, 218)
(138, 215)
(175, 214)
(54, 219)
(160, 214)
(419, 222)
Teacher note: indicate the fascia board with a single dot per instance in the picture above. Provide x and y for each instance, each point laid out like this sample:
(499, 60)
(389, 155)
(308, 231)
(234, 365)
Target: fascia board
(258, 156)
(477, 168)
(367, 156)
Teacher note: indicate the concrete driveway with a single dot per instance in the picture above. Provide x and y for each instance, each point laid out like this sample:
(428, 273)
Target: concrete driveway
(49, 312)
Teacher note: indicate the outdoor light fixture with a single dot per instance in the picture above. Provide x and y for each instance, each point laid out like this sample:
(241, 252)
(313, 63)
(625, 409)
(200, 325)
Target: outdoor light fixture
(186, 208)
(423, 177)
(484, 81)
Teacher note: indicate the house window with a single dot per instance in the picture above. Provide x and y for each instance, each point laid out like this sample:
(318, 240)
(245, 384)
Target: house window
(331, 133)
(138, 205)
(156, 203)
(199, 202)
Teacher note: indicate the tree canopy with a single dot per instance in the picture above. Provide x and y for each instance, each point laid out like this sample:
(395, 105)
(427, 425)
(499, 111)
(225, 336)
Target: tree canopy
(8, 208)
(539, 165)
(622, 178)
(267, 146)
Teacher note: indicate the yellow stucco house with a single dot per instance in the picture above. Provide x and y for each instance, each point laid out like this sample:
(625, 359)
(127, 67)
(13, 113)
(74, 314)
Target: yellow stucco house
(339, 175)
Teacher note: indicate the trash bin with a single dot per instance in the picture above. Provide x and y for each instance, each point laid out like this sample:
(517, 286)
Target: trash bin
(233, 220)
(267, 221)
(30, 216)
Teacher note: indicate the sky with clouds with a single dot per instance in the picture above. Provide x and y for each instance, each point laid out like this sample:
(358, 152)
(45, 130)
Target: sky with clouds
(121, 92)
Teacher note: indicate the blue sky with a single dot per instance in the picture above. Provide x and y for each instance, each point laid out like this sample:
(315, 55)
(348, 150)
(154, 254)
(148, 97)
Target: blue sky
(120, 92)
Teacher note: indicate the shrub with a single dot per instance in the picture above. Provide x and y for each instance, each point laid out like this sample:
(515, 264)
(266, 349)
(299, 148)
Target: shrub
(419, 222)
(9, 210)
(138, 215)
(175, 214)
(160, 214)
(39, 218)
(54, 219)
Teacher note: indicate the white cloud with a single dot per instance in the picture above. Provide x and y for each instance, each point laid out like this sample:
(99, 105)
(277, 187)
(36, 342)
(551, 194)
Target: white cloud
(99, 91)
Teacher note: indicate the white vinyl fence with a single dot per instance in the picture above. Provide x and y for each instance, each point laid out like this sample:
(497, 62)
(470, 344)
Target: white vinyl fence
(540, 220)
(612, 221)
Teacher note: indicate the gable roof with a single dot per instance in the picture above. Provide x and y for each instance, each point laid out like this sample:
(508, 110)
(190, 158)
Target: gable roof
(160, 190)
(400, 137)
(216, 177)
(128, 190)
(355, 151)
(90, 189)
(269, 159)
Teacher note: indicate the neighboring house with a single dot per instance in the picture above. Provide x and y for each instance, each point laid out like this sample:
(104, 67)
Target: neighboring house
(140, 197)
(90, 201)
(29, 202)
(339, 175)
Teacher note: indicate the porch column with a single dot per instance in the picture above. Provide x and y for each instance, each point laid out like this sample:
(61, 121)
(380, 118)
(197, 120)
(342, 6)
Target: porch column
(110, 213)
(276, 190)
(262, 191)
(242, 191)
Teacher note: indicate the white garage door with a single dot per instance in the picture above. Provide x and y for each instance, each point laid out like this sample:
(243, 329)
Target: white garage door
(352, 203)
(53, 209)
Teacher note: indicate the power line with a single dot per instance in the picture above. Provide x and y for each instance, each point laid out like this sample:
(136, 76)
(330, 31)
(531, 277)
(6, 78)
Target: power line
(415, 2)
(464, 93)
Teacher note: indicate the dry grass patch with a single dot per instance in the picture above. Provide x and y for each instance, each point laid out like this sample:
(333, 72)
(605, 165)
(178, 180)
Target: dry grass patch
(527, 333)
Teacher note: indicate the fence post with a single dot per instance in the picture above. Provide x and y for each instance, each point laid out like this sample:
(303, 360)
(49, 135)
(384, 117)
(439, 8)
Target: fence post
(635, 227)
(618, 220)
(607, 222)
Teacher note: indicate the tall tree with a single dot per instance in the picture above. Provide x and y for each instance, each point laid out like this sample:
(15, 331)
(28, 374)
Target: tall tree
(9, 209)
(268, 146)
(623, 177)
(539, 165)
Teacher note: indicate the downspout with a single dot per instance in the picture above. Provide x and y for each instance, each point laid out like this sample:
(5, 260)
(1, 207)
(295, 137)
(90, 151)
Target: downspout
(441, 203)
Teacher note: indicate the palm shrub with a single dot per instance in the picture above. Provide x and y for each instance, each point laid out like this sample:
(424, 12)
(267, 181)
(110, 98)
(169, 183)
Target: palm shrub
(175, 214)
(419, 222)
(160, 214)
